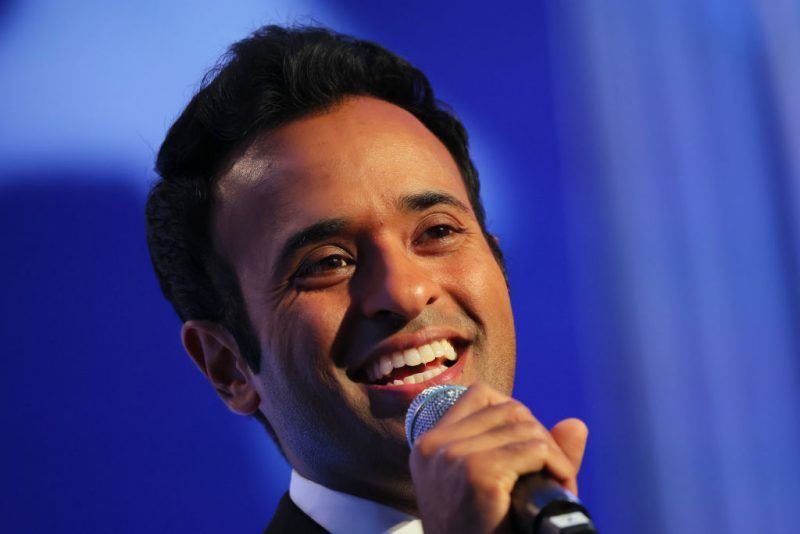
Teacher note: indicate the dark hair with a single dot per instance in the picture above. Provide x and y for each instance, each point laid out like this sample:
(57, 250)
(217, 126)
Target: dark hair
(267, 80)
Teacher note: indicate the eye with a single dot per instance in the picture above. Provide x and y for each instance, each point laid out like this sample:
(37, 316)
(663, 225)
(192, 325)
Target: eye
(438, 233)
(323, 267)
(331, 265)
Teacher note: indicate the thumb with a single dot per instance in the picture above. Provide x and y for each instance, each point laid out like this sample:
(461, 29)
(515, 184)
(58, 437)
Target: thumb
(570, 435)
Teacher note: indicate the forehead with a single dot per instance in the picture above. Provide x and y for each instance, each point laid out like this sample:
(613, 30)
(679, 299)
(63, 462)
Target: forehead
(353, 162)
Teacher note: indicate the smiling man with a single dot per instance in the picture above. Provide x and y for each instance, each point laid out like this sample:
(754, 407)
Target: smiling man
(318, 228)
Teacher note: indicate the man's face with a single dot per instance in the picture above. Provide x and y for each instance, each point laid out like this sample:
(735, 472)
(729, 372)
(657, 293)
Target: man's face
(359, 257)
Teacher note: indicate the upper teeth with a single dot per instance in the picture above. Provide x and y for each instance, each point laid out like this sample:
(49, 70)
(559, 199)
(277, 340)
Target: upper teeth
(414, 356)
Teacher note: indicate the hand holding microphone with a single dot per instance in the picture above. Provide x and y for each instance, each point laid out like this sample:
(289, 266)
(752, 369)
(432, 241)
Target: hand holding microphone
(487, 465)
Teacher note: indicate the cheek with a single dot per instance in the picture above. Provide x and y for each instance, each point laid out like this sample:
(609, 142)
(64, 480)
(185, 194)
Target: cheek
(305, 397)
(480, 281)
(299, 339)
(295, 367)
(480, 287)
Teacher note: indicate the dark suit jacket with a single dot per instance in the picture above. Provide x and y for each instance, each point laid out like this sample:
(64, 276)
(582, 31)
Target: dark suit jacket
(289, 519)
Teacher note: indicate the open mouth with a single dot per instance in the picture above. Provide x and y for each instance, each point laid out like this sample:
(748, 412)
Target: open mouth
(411, 366)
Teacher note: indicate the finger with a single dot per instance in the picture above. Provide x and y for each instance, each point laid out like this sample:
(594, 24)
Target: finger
(496, 437)
(571, 434)
(481, 421)
(512, 460)
(477, 396)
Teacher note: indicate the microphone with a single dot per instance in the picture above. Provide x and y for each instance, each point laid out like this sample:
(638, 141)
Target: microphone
(540, 505)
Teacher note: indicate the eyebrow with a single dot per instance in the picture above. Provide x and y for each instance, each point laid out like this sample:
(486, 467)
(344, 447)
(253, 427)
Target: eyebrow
(314, 233)
(326, 228)
(428, 199)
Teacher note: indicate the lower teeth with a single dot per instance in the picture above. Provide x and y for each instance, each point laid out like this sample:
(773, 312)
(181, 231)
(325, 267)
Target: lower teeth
(420, 377)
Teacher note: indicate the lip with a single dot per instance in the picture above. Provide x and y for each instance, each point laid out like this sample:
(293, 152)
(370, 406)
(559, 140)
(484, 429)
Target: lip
(401, 342)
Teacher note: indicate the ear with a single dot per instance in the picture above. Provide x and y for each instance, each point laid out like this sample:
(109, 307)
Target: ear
(217, 355)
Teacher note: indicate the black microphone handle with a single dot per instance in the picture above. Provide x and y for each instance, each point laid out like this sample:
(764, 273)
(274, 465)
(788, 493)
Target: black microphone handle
(541, 506)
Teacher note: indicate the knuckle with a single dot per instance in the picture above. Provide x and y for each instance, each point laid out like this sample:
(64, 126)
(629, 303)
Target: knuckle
(448, 455)
(424, 445)
(529, 429)
(540, 447)
(536, 448)
(544, 448)
(518, 412)
(473, 468)
(484, 478)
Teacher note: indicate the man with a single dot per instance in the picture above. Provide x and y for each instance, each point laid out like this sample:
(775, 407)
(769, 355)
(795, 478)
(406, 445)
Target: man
(318, 228)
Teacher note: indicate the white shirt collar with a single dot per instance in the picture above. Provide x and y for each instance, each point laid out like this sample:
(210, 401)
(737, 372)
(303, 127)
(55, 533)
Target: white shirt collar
(339, 512)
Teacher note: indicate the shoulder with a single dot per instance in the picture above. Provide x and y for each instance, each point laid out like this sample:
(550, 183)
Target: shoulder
(289, 518)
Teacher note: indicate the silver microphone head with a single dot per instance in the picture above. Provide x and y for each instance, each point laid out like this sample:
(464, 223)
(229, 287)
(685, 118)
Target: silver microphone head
(428, 407)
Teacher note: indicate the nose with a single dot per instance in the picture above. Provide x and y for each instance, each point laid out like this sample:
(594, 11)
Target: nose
(394, 282)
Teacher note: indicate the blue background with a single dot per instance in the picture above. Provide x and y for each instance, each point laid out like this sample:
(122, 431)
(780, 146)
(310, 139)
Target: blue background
(641, 167)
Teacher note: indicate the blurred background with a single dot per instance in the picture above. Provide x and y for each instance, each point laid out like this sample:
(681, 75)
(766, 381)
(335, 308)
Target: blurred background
(641, 167)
